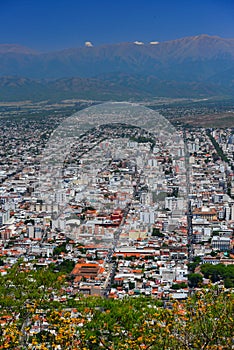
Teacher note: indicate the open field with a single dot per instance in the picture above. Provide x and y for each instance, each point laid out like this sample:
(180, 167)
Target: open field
(219, 120)
(212, 113)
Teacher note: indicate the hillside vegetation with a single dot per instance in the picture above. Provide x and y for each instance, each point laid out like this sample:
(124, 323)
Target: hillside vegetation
(38, 312)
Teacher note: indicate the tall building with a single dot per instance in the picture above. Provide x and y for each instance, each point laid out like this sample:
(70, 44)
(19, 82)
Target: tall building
(4, 216)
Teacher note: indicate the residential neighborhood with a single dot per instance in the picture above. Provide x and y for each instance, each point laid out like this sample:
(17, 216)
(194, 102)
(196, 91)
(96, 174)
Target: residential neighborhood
(122, 213)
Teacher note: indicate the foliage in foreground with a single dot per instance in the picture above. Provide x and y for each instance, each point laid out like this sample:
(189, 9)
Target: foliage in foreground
(204, 321)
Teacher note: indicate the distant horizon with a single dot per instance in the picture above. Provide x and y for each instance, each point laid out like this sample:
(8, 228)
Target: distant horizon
(153, 42)
(61, 24)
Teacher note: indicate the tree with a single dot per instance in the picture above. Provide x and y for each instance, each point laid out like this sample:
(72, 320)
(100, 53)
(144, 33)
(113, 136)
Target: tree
(156, 233)
(195, 279)
(59, 249)
(218, 272)
(229, 282)
(179, 285)
(66, 266)
(203, 321)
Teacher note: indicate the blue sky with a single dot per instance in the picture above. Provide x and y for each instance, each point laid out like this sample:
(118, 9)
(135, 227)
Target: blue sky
(56, 24)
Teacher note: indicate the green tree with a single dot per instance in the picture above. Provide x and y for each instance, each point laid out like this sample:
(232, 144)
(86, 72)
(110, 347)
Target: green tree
(195, 279)
(157, 233)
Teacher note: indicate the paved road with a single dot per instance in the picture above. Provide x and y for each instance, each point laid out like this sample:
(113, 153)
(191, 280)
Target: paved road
(111, 274)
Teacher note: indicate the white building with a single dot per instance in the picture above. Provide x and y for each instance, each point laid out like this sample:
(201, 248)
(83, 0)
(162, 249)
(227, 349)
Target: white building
(4, 216)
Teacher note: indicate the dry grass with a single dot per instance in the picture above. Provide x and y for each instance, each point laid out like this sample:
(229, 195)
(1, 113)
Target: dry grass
(219, 120)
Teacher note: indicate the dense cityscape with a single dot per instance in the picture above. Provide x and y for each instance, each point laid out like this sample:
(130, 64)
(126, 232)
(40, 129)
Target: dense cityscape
(133, 218)
(116, 175)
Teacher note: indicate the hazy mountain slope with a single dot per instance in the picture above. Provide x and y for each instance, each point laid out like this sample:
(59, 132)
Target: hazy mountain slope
(193, 66)
(108, 87)
(203, 56)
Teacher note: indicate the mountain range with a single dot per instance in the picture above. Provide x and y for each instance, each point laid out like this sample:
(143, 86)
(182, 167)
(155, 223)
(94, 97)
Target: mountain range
(195, 66)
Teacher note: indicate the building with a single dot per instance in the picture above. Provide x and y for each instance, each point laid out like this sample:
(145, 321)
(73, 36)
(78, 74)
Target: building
(4, 216)
(220, 243)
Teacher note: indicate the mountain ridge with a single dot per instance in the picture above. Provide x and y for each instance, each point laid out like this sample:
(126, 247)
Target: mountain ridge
(110, 87)
(16, 46)
(125, 57)
(196, 65)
